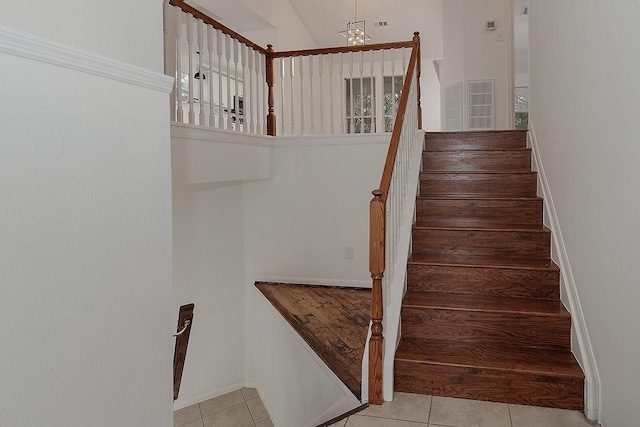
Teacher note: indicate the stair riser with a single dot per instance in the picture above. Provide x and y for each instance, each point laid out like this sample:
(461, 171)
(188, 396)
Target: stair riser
(476, 141)
(480, 212)
(507, 282)
(478, 185)
(482, 243)
(506, 161)
(487, 327)
(489, 384)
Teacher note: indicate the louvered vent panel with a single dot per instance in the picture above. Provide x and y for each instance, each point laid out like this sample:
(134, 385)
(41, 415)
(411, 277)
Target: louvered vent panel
(481, 105)
(453, 107)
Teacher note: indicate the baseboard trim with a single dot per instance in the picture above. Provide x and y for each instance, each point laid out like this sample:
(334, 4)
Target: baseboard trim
(584, 348)
(39, 49)
(183, 403)
(317, 281)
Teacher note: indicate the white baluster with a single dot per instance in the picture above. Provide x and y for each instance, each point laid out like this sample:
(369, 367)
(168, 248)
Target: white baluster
(260, 82)
(393, 83)
(343, 129)
(374, 109)
(236, 100)
(252, 94)
(227, 54)
(192, 114)
(362, 126)
(178, 24)
(352, 112)
(331, 118)
(320, 73)
(313, 119)
(293, 72)
(201, 116)
(245, 98)
(211, 76)
(301, 69)
(265, 100)
(282, 117)
(219, 37)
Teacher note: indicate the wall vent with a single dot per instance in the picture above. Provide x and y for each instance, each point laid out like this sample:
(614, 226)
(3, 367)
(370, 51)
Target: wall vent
(381, 23)
(524, 10)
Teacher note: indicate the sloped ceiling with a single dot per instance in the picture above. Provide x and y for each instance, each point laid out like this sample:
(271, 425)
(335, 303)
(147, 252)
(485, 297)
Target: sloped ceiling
(326, 18)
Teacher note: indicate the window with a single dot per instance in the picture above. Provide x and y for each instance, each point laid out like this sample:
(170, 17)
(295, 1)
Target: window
(392, 92)
(361, 103)
(480, 105)
(361, 114)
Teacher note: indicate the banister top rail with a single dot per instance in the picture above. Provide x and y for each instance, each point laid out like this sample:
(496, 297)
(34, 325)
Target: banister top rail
(387, 173)
(217, 25)
(343, 49)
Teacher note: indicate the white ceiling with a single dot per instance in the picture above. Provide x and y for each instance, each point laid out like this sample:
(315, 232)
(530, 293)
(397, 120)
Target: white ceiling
(324, 19)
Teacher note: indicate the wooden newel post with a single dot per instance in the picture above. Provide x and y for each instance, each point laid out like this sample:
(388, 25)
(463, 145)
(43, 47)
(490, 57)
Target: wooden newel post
(271, 116)
(416, 44)
(376, 267)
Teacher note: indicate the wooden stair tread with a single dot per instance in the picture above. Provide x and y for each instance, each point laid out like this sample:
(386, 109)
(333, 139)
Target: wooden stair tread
(483, 261)
(332, 320)
(451, 197)
(484, 303)
(530, 360)
(425, 174)
(453, 224)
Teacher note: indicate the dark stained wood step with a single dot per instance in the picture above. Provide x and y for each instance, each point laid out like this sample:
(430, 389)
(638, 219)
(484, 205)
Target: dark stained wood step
(482, 261)
(492, 140)
(478, 184)
(486, 319)
(479, 211)
(529, 376)
(334, 321)
(518, 160)
(517, 282)
(483, 242)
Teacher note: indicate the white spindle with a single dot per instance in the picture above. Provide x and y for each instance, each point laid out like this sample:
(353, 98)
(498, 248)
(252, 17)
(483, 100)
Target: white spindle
(192, 114)
(211, 76)
(301, 69)
(362, 92)
(320, 73)
(311, 61)
(219, 37)
(261, 100)
(199, 28)
(252, 105)
(265, 96)
(245, 96)
(351, 123)
(227, 54)
(236, 96)
(331, 93)
(178, 24)
(292, 63)
(343, 128)
(373, 100)
(282, 63)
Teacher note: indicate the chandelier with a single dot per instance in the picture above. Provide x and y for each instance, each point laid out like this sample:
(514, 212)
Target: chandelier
(355, 32)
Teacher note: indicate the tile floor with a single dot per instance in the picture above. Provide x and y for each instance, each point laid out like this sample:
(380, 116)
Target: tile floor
(243, 408)
(415, 410)
(240, 408)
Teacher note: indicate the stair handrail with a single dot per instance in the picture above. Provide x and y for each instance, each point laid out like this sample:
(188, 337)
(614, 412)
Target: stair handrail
(260, 107)
(378, 227)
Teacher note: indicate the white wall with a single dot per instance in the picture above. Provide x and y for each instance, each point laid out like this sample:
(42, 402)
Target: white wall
(584, 70)
(134, 29)
(298, 223)
(208, 245)
(471, 53)
(85, 220)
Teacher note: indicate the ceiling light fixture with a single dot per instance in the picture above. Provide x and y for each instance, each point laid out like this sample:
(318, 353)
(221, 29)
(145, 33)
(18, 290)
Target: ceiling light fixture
(355, 32)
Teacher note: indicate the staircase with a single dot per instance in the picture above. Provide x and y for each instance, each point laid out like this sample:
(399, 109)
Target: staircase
(482, 317)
